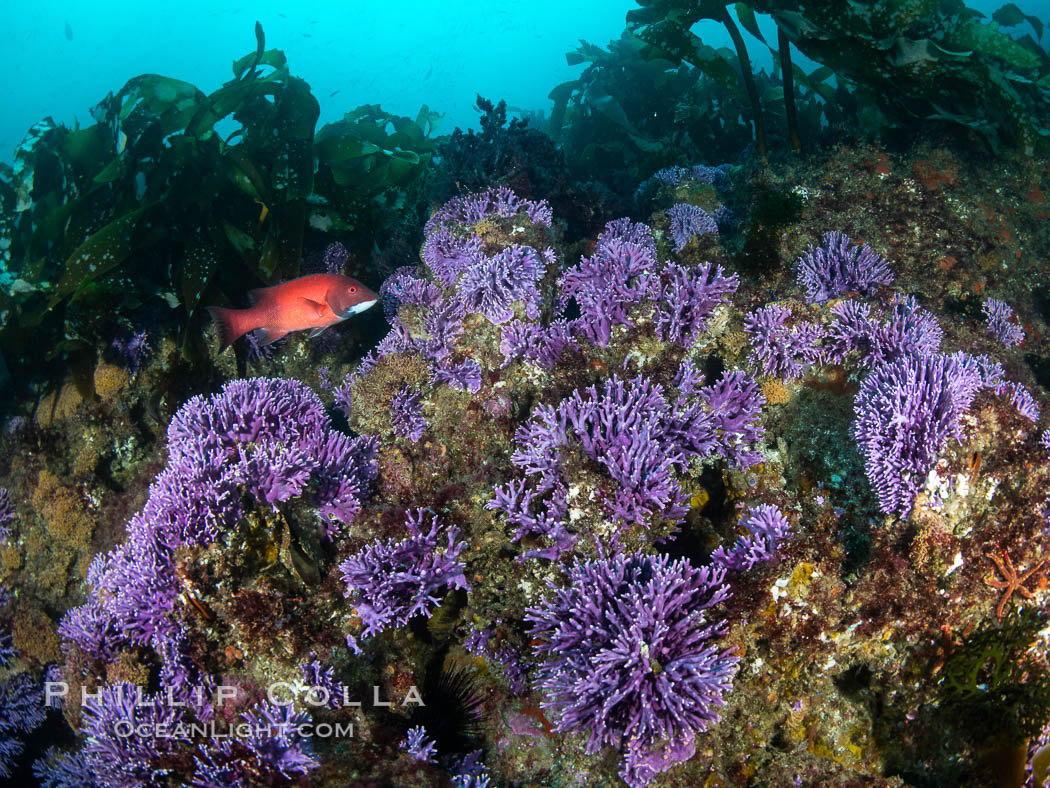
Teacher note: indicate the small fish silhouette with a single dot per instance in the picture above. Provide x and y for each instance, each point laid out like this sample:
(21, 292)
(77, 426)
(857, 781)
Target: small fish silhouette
(69, 31)
(311, 302)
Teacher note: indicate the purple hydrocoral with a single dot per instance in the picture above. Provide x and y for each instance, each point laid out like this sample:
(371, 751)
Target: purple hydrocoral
(729, 426)
(536, 511)
(766, 529)
(1044, 441)
(850, 330)
(492, 285)
(905, 329)
(334, 258)
(501, 201)
(346, 468)
(286, 413)
(540, 345)
(443, 325)
(116, 758)
(470, 280)
(618, 276)
(59, 769)
(839, 266)
(136, 582)
(672, 176)
(7, 649)
(626, 430)
(273, 752)
(92, 628)
(630, 432)
(448, 254)
(182, 681)
(686, 299)
(407, 286)
(631, 656)
(470, 772)
(419, 745)
(999, 318)
(465, 375)
(22, 711)
(132, 350)
(324, 688)
(273, 473)
(906, 411)
(477, 643)
(390, 582)
(406, 414)
(779, 350)
(1020, 397)
(7, 514)
(246, 412)
(688, 221)
(269, 437)
(256, 352)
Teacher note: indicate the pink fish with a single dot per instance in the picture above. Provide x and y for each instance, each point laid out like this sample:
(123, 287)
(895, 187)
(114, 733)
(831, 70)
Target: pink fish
(311, 302)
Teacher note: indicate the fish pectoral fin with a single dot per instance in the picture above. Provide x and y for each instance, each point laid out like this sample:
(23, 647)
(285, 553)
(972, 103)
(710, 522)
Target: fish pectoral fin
(267, 336)
(315, 306)
(317, 332)
(330, 302)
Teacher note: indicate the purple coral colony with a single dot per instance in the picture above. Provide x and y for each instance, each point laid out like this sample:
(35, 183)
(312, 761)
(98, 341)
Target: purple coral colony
(643, 471)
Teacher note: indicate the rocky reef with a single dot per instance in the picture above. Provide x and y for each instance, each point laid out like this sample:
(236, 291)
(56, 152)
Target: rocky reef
(646, 469)
(626, 507)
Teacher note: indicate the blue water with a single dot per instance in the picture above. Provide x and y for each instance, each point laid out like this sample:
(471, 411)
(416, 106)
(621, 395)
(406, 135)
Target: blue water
(398, 54)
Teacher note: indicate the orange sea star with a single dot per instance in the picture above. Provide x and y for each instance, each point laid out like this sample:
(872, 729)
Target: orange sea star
(1011, 582)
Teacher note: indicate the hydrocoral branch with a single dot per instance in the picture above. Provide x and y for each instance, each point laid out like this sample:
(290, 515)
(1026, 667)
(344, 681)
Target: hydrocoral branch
(999, 317)
(689, 221)
(905, 328)
(687, 298)
(631, 657)
(839, 266)
(7, 514)
(906, 411)
(766, 529)
(389, 582)
(618, 276)
(406, 414)
(780, 350)
(639, 441)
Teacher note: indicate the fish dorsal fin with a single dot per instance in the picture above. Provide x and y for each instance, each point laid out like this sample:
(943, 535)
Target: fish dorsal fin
(316, 307)
(257, 295)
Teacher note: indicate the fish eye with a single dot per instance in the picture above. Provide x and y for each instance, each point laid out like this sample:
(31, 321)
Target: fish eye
(352, 289)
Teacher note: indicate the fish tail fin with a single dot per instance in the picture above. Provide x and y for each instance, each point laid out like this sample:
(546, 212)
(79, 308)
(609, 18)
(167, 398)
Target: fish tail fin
(228, 325)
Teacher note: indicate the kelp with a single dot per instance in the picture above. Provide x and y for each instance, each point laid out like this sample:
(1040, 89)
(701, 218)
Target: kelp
(370, 151)
(160, 206)
(626, 115)
(917, 63)
(631, 111)
(993, 687)
(666, 25)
